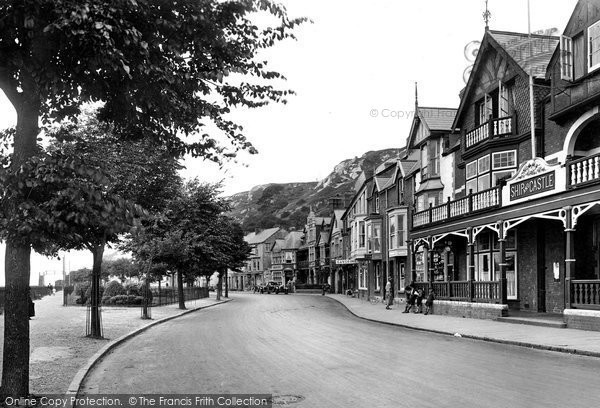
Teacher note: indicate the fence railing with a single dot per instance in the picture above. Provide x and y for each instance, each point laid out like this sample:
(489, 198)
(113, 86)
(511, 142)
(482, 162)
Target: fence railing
(492, 128)
(169, 296)
(585, 294)
(583, 171)
(466, 291)
(483, 200)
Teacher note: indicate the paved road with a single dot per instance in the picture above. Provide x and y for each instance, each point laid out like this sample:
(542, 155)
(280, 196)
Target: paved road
(312, 347)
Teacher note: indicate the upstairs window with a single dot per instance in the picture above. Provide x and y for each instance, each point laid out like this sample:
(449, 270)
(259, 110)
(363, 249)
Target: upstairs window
(594, 47)
(503, 160)
(566, 58)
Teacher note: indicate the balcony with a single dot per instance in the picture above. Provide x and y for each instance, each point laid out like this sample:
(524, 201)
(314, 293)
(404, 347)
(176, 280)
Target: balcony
(483, 200)
(493, 128)
(584, 171)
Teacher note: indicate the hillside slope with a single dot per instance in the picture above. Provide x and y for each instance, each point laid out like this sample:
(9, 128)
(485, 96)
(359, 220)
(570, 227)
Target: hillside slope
(287, 205)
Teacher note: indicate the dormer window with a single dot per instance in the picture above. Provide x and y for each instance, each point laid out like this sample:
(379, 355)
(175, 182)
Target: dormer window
(566, 58)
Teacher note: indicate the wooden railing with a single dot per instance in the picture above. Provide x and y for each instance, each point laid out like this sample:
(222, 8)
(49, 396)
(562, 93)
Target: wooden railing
(585, 294)
(583, 171)
(484, 200)
(492, 128)
(466, 291)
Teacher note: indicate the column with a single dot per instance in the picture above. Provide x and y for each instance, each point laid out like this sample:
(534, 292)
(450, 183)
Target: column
(569, 257)
(410, 262)
(431, 270)
(502, 263)
(471, 264)
(425, 263)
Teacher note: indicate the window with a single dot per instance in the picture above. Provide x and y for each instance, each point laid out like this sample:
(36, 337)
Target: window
(362, 277)
(369, 240)
(566, 58)
(424, 162)
(392, 232)
(471, 169)
(434, 161)
(505, 102)
(483, 165)
(594, 47)
(376, 238)
(361, 234)
(377, 204)
(487, 260)
(377, 277)
(401, 232)
(501, 175)
(502, 160)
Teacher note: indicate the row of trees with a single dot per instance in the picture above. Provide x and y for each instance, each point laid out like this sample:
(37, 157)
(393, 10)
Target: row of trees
(160, 71)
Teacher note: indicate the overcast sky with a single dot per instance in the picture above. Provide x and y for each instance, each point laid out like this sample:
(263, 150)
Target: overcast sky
(354, 71)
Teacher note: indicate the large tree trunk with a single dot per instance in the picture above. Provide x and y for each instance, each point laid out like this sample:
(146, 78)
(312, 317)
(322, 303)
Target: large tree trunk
(180, 290)
(95, 317)
(226, 284)
(15, 362)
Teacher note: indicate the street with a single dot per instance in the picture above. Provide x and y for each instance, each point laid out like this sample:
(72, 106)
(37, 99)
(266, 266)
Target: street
(311, 347)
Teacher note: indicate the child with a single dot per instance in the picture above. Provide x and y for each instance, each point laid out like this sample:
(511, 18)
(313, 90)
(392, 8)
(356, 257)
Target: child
(429, 301)
(411, 297)
(419, 300)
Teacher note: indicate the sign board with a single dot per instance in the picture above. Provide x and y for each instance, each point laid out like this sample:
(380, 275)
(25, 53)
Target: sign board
(344, 262)
(533, 185)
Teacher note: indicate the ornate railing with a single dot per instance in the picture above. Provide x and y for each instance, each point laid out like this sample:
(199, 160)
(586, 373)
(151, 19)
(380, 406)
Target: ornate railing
(585, 294)
(492, 128)
(583, 171)
(466, 291)
(484, 200)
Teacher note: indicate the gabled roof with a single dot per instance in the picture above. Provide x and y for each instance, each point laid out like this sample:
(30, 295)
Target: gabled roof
(432, 184)
(380, 182)
(437, 119)
(323, 237)
(293, 240)
(322, 220)
(516, 50)
(278, 243)
(517, 45)
(261, 236)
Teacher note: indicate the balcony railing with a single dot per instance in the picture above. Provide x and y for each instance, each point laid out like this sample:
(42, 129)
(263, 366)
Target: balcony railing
(585, 294)
(465, 291)
(583, 171)
(483, 200)
(492, 128)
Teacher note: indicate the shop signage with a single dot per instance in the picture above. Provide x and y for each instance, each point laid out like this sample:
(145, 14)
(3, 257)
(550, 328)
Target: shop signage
(344, 262)
(533, 185)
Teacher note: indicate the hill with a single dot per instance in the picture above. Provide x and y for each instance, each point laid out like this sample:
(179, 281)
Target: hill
(287, 204)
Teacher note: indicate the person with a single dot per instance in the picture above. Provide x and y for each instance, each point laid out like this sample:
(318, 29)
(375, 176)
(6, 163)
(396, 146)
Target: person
(389, 293)
(419, 301)
(49, 288)
(326, 288)
(429, 301)
(31, 306)
(411, 297)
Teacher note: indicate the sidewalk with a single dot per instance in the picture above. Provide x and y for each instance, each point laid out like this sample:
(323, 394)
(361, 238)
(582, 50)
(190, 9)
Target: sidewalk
(545, 338)
(59, 347)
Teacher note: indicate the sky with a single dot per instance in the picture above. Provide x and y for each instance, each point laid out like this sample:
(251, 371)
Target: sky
(354, 71)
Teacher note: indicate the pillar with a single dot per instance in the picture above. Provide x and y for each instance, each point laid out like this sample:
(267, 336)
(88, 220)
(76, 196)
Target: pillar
(410, 261)
(569, 256)
(502, 263)
(425, 263)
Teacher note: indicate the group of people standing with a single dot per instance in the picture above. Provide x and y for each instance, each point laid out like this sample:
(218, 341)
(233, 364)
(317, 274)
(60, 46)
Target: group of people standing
(414, 298)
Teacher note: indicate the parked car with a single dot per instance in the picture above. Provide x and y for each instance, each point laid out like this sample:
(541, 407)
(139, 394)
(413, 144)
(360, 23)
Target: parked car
(276, 287)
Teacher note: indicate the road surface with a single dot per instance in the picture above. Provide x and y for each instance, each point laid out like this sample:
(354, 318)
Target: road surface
(309, 346)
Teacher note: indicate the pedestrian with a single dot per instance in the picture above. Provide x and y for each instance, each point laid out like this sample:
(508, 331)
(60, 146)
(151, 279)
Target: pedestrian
(389, 292)
(31, 305)
(419, 301)
(411, 297)
(326, 288)
(429, 301)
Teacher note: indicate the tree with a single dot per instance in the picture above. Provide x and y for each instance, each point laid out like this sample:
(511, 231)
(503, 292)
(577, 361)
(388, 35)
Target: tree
(122, 268)
(182, 236)
(157, 67)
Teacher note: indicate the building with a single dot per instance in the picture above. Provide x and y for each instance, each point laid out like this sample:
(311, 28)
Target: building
(284, 266)
(257, 269)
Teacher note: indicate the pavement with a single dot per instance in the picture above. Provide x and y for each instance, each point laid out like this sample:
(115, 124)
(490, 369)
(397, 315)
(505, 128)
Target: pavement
(60, 352)
(563, 340)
